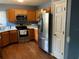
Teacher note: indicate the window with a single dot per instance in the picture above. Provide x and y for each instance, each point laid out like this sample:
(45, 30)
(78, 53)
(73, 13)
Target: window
(3, 18)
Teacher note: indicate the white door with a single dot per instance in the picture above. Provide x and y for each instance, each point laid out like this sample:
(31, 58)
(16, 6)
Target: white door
(59, 22)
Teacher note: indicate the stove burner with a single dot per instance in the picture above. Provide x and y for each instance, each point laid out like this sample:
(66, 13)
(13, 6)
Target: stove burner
(21, 27)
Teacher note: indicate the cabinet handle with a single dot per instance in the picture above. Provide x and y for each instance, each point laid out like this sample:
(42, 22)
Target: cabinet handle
(0, 37)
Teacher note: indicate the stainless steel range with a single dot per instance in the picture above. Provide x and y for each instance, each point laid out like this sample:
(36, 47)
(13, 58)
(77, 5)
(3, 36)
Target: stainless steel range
(22, 33)
(22, 29)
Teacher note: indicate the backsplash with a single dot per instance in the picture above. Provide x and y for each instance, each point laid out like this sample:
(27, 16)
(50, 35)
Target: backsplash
(10, 24)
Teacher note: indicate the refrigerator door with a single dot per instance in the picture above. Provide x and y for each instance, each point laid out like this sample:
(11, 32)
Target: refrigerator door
(43, 39)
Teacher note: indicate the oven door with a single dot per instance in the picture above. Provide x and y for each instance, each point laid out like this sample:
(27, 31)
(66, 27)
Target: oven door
(23, 33)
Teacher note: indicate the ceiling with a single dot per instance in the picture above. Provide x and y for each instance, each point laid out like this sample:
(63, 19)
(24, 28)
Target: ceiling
(26, 2)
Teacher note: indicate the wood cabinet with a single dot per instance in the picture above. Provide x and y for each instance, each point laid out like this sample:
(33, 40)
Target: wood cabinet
(0, 40)
(38, 14)
(40, 11)
(8, 37)
(5, 38)
(20, 12)
(31, 34)
(34, 34)
(13, 36)
(12, 13)
(0, 53)
(31, 15)
(47, 9)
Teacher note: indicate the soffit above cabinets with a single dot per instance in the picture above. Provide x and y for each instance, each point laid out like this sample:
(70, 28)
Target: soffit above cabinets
(25, 2)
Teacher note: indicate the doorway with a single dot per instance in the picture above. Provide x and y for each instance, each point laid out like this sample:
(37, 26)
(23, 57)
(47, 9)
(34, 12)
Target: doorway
(59, 24)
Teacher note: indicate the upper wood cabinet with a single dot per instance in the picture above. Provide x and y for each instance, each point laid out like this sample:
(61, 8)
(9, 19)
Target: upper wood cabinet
(12, 13)
(31, 15)
(20, 12)
(47, 9)
(38, 13)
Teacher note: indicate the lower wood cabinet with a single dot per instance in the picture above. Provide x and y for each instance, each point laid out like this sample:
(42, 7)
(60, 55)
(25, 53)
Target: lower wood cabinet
(31, 34)
(0, 40)
(8, 37)
(5, 38)
(34, 34)
(13, 36)
(0, 53)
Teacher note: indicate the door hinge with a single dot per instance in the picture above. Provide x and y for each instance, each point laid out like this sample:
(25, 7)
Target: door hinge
(63, 32)
(64, 8)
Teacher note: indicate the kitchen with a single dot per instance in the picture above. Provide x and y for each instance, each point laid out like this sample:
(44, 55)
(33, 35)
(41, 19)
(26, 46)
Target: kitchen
(26, 29)
(19, 27)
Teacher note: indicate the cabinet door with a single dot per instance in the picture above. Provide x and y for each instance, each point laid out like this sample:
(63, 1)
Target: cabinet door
(0, 53)
(31, 15)
(13, 36)
(11, 15)
(5, 38)
(20, 12)
(31, 34)
(36, 35)
(0, 40)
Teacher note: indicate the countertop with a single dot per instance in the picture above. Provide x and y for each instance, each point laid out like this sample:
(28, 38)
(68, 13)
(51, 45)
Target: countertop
(7, 30)
(32, 27)
(14, 28)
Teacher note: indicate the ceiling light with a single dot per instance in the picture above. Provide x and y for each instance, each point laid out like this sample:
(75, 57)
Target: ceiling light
(20, 0)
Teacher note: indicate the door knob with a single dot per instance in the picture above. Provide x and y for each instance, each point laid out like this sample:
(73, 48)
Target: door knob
(62, 53)
(54, 34)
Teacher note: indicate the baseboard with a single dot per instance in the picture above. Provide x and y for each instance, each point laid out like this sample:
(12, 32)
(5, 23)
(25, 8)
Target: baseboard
(52, 54)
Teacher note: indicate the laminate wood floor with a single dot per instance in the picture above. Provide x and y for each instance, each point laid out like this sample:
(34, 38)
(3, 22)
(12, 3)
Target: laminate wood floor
(28, 50)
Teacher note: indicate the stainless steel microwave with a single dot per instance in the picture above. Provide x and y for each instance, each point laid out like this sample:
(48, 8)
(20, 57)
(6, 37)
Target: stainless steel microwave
(21, 17)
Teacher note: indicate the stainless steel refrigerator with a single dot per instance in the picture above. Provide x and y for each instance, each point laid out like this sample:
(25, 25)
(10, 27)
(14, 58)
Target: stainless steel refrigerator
(45, 32)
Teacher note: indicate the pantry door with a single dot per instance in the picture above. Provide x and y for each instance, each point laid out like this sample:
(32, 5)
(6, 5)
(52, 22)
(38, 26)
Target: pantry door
(59, 22)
